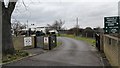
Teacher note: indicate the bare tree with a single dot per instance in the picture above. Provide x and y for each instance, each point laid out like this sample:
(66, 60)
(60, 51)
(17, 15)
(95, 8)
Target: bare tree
(16, 26)
(7, 45)
(57, 25)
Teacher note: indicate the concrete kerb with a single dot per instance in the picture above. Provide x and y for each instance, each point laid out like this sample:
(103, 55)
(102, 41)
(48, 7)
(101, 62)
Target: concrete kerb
(30, 55)
(103, 58)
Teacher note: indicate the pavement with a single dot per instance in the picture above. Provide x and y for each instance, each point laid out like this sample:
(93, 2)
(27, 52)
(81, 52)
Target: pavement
(35, 51)
(71, 53)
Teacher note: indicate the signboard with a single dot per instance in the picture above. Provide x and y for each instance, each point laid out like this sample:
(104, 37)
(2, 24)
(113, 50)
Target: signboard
(111, 25)
(27, 41)
(46, 43)
(46, 40)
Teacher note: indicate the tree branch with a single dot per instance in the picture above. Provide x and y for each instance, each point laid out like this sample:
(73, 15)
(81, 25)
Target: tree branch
(11, 6)
(24, 5)
(3, 5)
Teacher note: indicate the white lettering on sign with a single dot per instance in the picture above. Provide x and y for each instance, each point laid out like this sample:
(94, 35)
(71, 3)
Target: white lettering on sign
(45, 39)
(27, 41)
(111, 24)
(114, 27)
(112, 19)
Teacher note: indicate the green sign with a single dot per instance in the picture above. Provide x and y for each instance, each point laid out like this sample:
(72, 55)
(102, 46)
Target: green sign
(111, 25)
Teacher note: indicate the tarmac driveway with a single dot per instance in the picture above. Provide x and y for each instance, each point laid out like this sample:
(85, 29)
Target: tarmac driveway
(71, 53)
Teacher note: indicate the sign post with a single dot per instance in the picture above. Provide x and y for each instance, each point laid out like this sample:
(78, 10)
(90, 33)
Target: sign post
(111, 25)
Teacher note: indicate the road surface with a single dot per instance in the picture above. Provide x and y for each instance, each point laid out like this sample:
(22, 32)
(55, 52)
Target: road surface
(71, 53)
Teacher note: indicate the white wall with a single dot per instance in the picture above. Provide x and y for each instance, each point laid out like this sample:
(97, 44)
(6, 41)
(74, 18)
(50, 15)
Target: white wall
(39, 29)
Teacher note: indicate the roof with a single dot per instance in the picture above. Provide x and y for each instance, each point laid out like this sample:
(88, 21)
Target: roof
(53, 31)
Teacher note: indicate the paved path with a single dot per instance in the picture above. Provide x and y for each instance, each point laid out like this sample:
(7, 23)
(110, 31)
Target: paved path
(70, 53)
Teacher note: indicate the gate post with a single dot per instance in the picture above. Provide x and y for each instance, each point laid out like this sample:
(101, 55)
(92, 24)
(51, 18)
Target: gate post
(97, 36)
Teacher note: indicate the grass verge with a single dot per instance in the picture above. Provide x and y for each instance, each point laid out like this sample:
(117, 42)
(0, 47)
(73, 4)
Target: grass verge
(19, 54)
(59, 43)
(87, 40)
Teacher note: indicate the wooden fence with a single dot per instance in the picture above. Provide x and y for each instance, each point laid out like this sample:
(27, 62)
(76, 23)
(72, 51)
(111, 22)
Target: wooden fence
(111, 48)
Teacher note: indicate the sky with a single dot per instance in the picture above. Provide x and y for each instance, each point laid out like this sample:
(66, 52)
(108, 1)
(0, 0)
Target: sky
(90, 13)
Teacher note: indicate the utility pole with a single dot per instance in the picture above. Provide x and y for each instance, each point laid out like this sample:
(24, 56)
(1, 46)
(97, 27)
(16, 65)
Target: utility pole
(77, 26)
(27, 24)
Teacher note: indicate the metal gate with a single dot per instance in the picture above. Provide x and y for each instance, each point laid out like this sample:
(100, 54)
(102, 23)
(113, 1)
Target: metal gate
(53, 42)
(39, 41)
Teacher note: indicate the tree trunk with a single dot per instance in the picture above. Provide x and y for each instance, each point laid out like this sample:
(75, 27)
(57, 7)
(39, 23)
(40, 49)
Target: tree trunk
(7, 44)
(6, 33)
(0, 31)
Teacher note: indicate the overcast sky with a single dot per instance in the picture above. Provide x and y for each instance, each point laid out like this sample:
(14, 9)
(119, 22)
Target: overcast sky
(91, 13)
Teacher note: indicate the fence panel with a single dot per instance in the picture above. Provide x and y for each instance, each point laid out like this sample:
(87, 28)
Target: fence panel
(111, 49)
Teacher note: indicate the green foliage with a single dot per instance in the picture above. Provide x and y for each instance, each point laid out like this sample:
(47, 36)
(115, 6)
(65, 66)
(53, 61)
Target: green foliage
(19, 54)
(88, 40)
(57, 25)
(59, 43)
